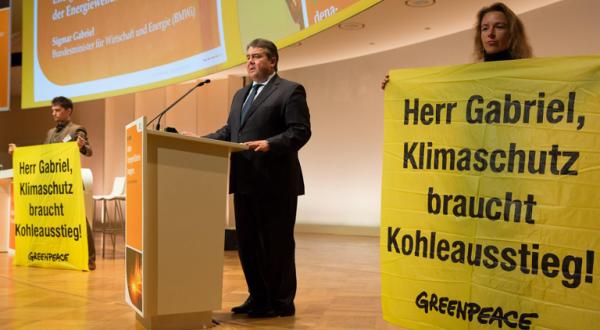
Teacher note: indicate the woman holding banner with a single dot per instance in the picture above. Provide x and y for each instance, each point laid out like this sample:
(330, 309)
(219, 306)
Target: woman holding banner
(499, 35)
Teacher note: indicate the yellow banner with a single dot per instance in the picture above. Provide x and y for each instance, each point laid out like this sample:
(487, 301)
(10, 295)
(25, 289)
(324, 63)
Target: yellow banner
(490, 196)
(50, 229)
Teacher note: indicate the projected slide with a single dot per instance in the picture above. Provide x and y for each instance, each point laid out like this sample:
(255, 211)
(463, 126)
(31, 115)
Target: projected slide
(283, 20)
(105, 45)
(89, 49)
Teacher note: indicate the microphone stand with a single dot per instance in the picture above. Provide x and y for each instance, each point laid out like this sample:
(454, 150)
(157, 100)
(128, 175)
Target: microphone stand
(160, 115)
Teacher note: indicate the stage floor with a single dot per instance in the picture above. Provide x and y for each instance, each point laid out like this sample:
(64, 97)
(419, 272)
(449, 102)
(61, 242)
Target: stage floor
(338, 288)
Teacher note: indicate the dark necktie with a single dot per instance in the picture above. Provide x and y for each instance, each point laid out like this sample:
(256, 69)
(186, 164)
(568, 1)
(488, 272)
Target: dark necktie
(249, 101)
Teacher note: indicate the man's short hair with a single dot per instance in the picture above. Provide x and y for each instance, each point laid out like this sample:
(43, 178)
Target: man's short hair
(62, 101)
(268, 46)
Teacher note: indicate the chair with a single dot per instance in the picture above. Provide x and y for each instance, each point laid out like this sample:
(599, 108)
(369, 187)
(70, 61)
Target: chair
(115, 224)
(88, 181)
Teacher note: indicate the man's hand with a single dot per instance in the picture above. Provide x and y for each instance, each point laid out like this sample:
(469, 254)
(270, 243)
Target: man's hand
(262, 145)
(11, 148)
(80, 141)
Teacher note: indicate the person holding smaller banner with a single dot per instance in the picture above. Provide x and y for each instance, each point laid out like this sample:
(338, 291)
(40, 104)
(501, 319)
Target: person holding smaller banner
(499, 35)
(67, 131)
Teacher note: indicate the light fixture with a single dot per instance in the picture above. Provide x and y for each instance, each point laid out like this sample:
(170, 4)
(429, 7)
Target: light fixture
(419, 3)
(351, 26)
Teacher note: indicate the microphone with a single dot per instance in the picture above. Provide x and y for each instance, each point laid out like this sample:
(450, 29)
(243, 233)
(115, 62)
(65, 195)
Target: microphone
(206, 81)
(159, 116)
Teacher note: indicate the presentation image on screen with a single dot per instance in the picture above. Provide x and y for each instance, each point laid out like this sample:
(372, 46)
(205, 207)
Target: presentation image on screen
(287, 19)
(317, 11)
(281, 22)
(91, 49)
(83, 47)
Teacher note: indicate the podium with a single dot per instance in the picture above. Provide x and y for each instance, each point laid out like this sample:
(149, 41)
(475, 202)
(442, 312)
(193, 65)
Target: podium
(176, 206)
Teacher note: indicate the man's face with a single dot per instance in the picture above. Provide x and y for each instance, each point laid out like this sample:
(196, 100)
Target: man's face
(60, 114)
(258, 66)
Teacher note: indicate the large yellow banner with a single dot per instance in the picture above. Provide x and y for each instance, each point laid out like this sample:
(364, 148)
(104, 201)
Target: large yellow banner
(491, 196)
(50, 229)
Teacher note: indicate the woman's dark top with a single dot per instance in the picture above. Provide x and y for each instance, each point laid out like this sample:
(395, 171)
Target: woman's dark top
(500, 56)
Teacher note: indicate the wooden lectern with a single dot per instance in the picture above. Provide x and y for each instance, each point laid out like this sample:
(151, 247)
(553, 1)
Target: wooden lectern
(177, 190)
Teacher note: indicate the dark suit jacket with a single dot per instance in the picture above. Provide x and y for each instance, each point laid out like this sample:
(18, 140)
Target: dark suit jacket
(279, 114)
(69, 133)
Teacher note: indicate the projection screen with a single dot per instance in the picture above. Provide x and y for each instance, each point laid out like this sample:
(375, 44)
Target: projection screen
(90, 49)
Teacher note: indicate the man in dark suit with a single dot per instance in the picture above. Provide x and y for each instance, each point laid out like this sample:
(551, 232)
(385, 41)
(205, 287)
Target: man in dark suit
(271, 117)
(66, 131)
